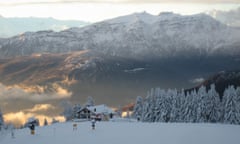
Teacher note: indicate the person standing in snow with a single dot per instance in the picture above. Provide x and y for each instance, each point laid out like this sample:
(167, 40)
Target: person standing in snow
(12, 133)
(74, 127)
(93, 123)
(32, 128)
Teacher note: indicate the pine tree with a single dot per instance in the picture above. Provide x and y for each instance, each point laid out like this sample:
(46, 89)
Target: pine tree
(231, 111)
(45, 122)
(188, 114)
(89, 102)
(169, 104)
(176, 107)
(201, 110)
(193, 107)
(75, 109)
(201, 106)
(148, 108)
(137, 110)
(165, 107)
(67, 110)
(182, 107)
(185, 108)
(213, 105)
(158, 104)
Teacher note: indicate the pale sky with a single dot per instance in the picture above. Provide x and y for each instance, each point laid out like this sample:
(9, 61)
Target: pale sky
(97, 10)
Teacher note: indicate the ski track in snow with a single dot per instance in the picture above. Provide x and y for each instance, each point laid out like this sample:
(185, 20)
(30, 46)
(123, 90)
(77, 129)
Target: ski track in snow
(128, 133)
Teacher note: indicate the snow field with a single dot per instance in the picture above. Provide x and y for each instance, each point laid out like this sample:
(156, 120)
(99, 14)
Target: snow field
(128, 133)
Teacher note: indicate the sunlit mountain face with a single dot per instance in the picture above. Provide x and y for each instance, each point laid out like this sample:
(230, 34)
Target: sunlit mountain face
(113, 61)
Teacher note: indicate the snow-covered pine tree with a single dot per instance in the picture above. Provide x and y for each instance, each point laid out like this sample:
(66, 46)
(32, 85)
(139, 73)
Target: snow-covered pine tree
(148, 108)
(193, 107)
(174, 115)
(165, 107)
(169, 103)
(158, 104)
(137, 110)
(185, 108)
(75, 110)
(201, 110)
(231, 114)
(89, 102)
(238, 97)
(189, 108)
(213, 105)
(67, 110)
(182, 107)
(238, 103)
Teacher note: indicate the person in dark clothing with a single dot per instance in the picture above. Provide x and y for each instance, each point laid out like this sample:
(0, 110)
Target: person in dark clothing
(93, 123)
(32, 128)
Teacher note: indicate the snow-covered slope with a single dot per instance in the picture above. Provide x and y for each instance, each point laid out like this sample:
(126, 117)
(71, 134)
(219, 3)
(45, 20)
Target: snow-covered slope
(136, 35)
(128, 133)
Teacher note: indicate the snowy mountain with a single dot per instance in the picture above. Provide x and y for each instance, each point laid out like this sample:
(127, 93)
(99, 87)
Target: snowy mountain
(15, 26)
(127, 133)
(139, 35)
(119, 59)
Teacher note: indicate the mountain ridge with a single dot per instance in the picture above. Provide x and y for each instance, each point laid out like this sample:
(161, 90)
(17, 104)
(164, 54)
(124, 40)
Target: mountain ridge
(166, 37)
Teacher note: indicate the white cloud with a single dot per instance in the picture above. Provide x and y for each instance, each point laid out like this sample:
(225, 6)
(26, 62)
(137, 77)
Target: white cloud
(18, 93)
(197, 80)
(41, 108)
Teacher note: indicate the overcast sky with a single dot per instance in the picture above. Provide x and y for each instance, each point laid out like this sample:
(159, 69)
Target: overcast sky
(97, 10)
(116, 1)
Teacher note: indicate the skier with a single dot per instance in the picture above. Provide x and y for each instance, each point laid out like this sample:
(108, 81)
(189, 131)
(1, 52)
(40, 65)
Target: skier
(93, 123)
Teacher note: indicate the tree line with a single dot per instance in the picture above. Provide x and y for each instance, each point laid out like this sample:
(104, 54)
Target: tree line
(200, 106)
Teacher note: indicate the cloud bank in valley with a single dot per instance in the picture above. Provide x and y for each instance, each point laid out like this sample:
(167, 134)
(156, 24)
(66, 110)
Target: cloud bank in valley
(39, 111)
(19, 104)
(18, 93)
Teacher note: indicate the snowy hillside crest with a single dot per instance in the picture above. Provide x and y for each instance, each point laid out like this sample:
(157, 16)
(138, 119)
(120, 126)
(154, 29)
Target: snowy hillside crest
(136, 35)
